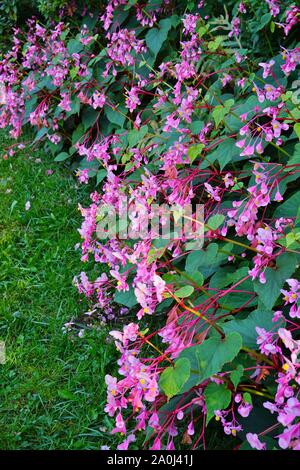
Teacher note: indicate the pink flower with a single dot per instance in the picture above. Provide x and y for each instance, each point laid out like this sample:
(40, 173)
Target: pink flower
(156, 445)
(262, 278)
(241, 82)
(292, 59)
(274, 7)
(125, 444)
(98, 100)
(190, 428)
(278, 197)
(171, 122)
(130, 332)
(290, 412)
(278, 128)
(120, 425)
(255, 442)
(226, 79)
(228, 180)
(242, 8)
(83, 175)
(65, 103)
(259, 148)
(235, 24)
(260, 94)
(267, 68)
(159, 285)
(132, 99)
(248, 151)
(121, 278)
(265, 342)
(286, 337)
(190, 23)
(292, 18)
(213, 192)
(154, 421)
(240, 144)
(292, 296)
(290, 437)
(244, 409)
(244, 130)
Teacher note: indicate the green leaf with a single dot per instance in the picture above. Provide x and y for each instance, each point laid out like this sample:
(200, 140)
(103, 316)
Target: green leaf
(261, 23)
(155, 253)
(221, 111)
(114, 116)
(197, 278)
(209, 357)
(202, 30)
(156, 37)
(184, 292)
(127, 298)
(269, 292)
(101, 174)
(159, 246)
(61, 157)
(246, 327)
(228, 275)
(173, 378)
(215, 221)
(74, 46)
(292, 238)
(135, 136)
(215, 44)
(73, 72)
(89, 117)
(196, 126)
(225, 153)
(295, 158)
(218, 114)
(206, 261)
(288, 208)
(297, 129)
(75, 107)
(247, 398)
(195, 151)
(40, 134)
(236, 375)
(217, 397)
(77, 134)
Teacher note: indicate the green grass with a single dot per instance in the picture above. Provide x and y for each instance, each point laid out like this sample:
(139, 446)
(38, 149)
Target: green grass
(52, 391)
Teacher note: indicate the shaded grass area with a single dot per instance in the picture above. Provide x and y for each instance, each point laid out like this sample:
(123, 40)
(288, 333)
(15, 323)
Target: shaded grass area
(52, 390)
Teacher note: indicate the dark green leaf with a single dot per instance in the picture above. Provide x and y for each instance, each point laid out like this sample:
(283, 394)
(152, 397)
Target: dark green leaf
(157, 36)
(127, 298)
(61, 157)
(209, 357)
(217, 397)
(246, 327)
(275, 277)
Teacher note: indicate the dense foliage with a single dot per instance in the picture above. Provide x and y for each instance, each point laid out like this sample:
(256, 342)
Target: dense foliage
(182, 103)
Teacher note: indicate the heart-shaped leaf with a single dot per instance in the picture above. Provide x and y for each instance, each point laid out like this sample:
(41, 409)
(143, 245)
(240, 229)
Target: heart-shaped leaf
(209, 357)
(173, 378)
(217, 397)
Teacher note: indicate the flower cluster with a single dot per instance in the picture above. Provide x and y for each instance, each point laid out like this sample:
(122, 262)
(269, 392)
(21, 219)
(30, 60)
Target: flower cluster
(165, 105)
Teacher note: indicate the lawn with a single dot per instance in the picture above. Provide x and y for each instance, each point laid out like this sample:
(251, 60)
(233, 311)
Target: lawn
(52, 391)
